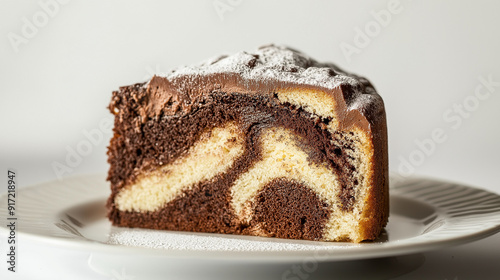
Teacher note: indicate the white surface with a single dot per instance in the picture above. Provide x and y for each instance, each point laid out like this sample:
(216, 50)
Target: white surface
(428, 58)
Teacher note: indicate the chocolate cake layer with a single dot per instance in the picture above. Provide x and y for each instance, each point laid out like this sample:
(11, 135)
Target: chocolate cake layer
(304, 220)
(268, 144)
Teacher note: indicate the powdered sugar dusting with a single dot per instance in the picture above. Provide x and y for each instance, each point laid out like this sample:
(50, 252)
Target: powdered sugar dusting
(208, 242)
(270, 63)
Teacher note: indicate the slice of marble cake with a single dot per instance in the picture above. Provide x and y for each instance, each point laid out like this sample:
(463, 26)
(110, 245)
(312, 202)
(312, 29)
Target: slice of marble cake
(270, 143)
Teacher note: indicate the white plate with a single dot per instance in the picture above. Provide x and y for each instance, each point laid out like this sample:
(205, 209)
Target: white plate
(425, 215)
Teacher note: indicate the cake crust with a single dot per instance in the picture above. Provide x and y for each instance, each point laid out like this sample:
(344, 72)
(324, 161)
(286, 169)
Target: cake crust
(332, 116)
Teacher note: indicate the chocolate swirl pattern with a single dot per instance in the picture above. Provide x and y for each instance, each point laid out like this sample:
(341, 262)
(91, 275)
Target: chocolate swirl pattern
(268, 144)
(213, 154)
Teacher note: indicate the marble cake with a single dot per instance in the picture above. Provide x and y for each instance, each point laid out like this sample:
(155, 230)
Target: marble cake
(269, 143)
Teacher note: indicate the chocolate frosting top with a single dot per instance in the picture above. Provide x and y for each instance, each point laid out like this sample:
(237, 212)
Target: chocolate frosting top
(264, 71)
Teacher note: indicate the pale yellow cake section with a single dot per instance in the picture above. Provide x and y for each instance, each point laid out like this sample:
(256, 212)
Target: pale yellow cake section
(316, 102)
(213, 154)
(343, 225)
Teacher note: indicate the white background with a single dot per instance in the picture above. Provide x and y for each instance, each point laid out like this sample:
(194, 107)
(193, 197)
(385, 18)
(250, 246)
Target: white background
(425, 60)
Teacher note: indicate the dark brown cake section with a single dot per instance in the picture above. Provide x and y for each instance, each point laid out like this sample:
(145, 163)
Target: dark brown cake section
(288, 209)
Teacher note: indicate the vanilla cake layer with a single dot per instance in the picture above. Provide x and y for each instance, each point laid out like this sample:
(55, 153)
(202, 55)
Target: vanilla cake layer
(240, 153)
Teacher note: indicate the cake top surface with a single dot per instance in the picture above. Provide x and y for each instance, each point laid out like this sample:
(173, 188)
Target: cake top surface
(271, 63)
(268, 70)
